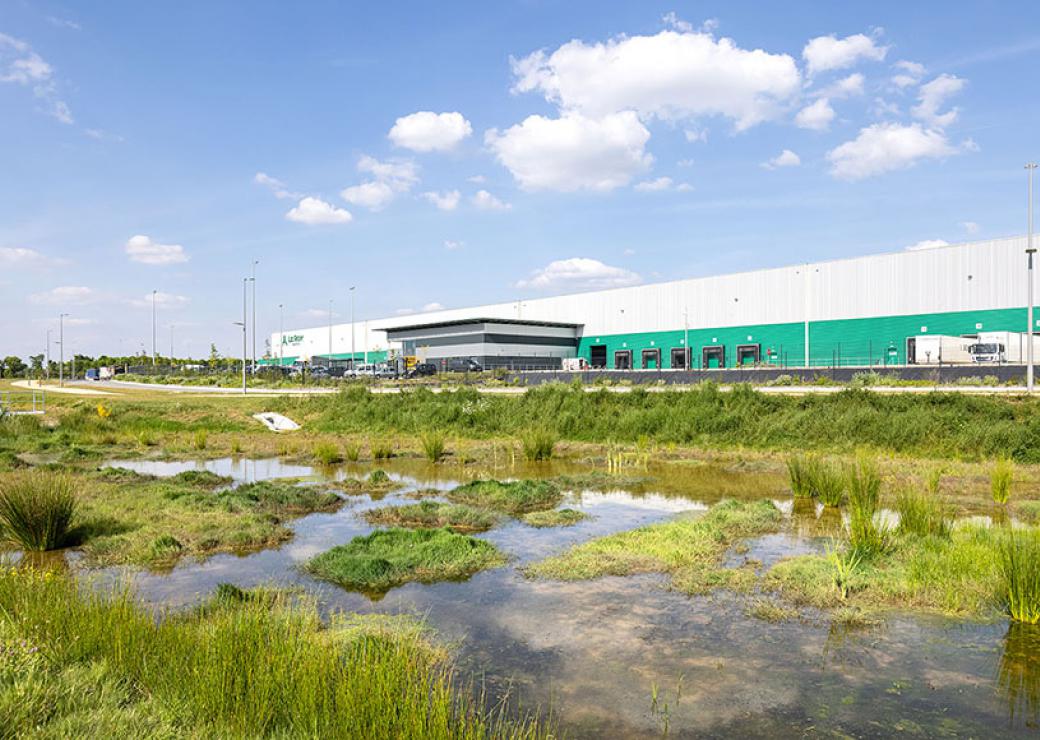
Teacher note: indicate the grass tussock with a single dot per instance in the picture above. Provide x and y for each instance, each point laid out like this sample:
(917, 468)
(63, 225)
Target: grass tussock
(1019, 562)
(554, 518)
(923, 514)
(510, 497)
(381, 449)
(813, 477)
(77, 662)
(432, 445)
(687, 548)
(199, 439)
(36, 509)
(538, 444)
(386, 558)
(867, 534)
(327, 453)
(433, 515)
(1000, 480)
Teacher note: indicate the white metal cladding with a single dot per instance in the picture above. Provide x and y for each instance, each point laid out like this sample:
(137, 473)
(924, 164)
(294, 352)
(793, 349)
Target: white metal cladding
(961, 277)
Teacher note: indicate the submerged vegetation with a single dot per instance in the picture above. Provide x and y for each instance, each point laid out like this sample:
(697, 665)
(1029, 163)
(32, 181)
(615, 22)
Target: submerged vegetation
(390, 557)
(36, 509)
(76, 662)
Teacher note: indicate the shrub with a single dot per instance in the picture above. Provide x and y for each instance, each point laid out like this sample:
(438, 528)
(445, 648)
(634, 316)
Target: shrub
(538, 444)
(1019, 561)
(327, 453)
(433, 445)
(865, 379)
(36, 509)
(923, 514)
(199, 439)
(1000, 480)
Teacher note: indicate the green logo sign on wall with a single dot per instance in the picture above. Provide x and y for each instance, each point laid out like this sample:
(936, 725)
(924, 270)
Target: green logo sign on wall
(292, 339)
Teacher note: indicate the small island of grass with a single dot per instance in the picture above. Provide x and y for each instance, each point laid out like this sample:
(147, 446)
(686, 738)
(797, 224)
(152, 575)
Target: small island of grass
(554, 518)
(511, 497)
(433, 515)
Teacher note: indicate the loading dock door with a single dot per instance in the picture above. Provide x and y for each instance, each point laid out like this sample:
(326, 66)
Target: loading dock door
(911, 351)
(748, 354)
(651, 359)
(679, 357)
(598, 355)
(713, 356)
(623, 359)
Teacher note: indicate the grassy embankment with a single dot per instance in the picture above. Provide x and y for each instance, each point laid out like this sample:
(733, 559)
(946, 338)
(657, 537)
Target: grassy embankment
(389, 557)
(75, 662)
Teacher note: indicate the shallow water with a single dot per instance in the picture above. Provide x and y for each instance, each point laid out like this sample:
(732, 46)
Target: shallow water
(595, 650)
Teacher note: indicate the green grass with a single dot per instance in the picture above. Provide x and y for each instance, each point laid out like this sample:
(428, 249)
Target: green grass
(1000, 480)
(554, 518)
(512, 497)
(432, 445)
(813, 477)
(36, 509)
(387, 558)
(688, 548)
(433, 515)
(923, 514)
(199, 439)
(381, 449)
(202, 479)
(800, 474)
(77, 662)
(327, 453)
(1019, 560)
(867, 535)
(538, 444)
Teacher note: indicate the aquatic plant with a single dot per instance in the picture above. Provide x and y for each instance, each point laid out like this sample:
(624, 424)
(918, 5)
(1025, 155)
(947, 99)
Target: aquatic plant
(800, 475)
(433, 515)
(844, 563)
(1019, 561)
(248, 664)
(1000, 480)
(36, 509)
(352, 451)
(813, 477)
(866, 534)
(538, 444)
(236, 446)
(199, 439)
(378, 477)
(327, 453)
(554, 518)
(390, 557)
(432, 445)
(381, 449)
(922, 514)
(511, 497)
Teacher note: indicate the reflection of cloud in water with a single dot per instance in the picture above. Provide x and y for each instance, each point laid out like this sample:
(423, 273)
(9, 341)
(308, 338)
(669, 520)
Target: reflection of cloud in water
(651, 501)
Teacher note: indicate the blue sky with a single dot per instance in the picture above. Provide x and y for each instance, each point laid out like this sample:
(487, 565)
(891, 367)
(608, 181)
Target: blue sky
(462, 153)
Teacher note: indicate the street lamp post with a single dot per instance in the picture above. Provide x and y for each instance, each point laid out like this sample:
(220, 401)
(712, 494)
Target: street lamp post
(330, 332)
(255, 263)
(353, 359)
(1029, 311)
(244, 280)
(171, 344)
(47, 370)
(281, 335)
(153, 327)
(61, 349)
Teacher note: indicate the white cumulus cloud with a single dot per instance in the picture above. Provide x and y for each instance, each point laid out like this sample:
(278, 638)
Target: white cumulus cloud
(446, 201)
(485, 201)
(970, 226)
(846, 87)
(675, 74)
(932, 95)
(909, 73)
(433, 306)
(426, 131)
(786, 158)
(275, 185)
(452, 245)
(824, 53)
(143, 249)
(64, 295)
(573, 152)
(655, 185)
(927, 244)
(162, 300)
(373, 195)
(579, 273)
(816, 116)
(313, 211)
(389, 179)
(20, 65)
(22, 256)
(883, 147)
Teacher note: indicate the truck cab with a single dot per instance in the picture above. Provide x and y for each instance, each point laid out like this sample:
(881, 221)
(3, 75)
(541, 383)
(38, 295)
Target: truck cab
(990, 352)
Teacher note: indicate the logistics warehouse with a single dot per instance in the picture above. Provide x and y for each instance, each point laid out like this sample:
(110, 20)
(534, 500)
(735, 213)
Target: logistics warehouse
(861, 311)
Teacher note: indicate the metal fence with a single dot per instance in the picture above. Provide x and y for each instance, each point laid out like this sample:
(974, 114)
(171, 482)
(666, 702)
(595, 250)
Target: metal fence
(22, 402)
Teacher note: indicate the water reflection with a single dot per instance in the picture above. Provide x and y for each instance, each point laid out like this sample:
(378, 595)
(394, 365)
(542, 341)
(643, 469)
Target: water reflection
(1018, 674)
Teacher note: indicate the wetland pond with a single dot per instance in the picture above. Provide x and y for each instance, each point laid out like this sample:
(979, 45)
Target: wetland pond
(627, 656)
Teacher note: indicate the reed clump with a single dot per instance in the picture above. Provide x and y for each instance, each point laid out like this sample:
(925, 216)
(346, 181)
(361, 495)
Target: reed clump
(1000, 480)
(327, 453)
(538, 444)
(36, 509)
(923, 514)
(867, 535)
(1019, 563)
(432, 445)
(814, 477)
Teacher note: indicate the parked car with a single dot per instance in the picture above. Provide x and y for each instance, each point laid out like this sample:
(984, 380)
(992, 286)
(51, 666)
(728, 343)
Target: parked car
(422, 369)
(464, 365)
(383, 370)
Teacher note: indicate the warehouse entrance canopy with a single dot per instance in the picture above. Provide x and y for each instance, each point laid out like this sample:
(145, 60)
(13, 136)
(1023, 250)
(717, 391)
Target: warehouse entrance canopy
(491, 343)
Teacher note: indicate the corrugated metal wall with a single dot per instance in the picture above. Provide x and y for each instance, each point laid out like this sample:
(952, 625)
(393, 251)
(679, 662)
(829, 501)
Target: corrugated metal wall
(963, 277)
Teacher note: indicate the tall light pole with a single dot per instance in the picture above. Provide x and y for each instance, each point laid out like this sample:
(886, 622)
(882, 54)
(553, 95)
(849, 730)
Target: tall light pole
(255, 263)
(244, 281)
(153, 327)
(686, 339)
(1030, 251)
(330, 332)
(352, 358)
(171, 344)
(61, 346)
(281, 335)
(47, 371)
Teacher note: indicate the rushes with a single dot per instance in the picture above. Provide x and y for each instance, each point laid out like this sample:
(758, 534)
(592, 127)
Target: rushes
(199, 439)
(352, 451)
(923, 514)
(538, 444)
(1019, 562)
(36, 509)
(381, 449)
(1000, 480)
(812, 477)
(327, 453)
(433, 446)
(866, 535)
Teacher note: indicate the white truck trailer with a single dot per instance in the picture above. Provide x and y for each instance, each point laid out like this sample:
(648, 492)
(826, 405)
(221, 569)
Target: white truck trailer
(1004, 347)
(935, 349)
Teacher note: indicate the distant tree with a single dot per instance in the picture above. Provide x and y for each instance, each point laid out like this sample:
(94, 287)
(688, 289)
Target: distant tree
(36, 364)
(13, 366)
